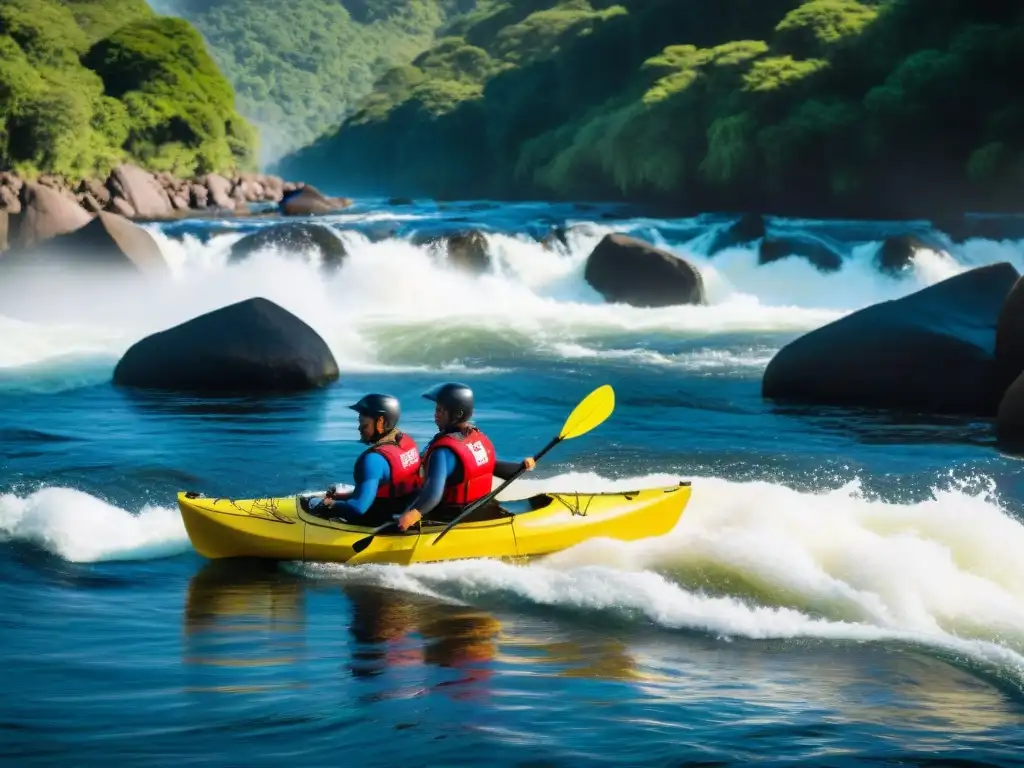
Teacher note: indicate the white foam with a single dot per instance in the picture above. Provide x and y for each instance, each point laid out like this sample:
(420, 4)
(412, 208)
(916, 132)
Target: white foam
(397, 306)
(84, 529)
(761, 560)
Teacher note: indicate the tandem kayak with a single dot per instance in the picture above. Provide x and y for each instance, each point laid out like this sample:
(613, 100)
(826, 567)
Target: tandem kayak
(283, 528)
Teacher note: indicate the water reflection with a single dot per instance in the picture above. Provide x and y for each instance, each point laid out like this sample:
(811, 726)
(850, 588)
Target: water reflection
(393, 629)
(244, 615)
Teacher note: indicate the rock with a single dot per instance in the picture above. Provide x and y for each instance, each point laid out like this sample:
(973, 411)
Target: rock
(45, 213)
(931, 351)
(1010, 338)
(465, 250)
(110, 240)
(292, 238)
(897, 253)
(141, 190)
(749, 228)
(198, 195)
(309, 201)
(626, 270)
(219, 190)
(1010, 417)
(775, 248)
(106, 242)
(253, 346)
(121, 207)
(9, 200)
(90, 203)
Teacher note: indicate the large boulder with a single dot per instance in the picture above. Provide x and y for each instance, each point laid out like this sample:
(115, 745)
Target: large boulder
(310, 201)
(110, 240)
(141, 190)
(931, 351)
(292, 238)
(626, 270)
(250, 347)
(45, 213)
(106, 242)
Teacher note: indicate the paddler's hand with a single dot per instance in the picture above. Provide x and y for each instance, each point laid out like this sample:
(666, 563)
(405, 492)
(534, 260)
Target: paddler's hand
(406, 519)
(529, 462)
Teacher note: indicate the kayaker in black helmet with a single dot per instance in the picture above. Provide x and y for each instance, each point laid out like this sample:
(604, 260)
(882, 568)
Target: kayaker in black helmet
(387, 474)
(460, 463)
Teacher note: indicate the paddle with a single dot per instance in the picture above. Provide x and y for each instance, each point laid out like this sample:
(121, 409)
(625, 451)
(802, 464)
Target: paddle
(594, 409)
(590, 413)
(363, 543)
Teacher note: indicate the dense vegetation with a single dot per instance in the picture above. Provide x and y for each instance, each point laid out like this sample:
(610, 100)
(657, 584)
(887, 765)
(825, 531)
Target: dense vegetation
(86, 84)
(299, 67)
(873, 107)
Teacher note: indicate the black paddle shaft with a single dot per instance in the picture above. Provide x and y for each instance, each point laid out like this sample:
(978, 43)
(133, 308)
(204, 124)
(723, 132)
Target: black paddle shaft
(480, 502)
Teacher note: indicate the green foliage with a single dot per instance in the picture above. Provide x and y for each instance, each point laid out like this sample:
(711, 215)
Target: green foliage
(814, 27)
(878, 106)
(299, 68)
(86, 85)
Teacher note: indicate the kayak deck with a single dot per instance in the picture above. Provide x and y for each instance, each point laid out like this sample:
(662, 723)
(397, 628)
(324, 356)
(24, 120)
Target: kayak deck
(284, 529)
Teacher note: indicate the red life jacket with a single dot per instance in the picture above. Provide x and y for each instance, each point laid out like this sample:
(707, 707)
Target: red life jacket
(403, 458)
(475, 455)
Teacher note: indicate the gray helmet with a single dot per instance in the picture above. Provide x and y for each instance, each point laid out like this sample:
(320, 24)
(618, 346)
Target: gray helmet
(455, 398)
(375, 405)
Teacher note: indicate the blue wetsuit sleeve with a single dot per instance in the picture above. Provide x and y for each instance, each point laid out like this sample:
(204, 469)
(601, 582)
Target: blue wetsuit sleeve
(505, 469)
(370, 472)
(439, 468)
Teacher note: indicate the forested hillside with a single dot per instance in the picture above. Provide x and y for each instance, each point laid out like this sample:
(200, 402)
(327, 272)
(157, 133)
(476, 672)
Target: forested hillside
(299, 67)
(826, 106)
(86, 84)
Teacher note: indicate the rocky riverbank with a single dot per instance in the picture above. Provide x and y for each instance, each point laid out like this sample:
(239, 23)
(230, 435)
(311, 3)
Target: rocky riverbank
(135, 193)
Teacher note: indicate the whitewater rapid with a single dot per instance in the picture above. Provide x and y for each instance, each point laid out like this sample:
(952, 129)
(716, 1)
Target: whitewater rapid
(750, 560)
(393, 305)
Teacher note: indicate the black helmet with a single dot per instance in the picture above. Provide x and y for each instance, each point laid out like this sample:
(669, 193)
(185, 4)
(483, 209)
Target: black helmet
(455, 398)
(379, 405)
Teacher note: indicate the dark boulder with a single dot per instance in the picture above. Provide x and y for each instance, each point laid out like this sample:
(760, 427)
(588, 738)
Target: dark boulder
(749, 228)
(250, 347)
(630, 271)
(292, 238)
(1010, 417)
(814, 251)
(465, 250)
(931, 351)
(898, 251)
(310, 201)
(1010, 338)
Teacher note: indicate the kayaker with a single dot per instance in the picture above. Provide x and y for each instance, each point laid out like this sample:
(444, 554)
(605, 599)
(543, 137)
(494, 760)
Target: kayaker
(460, 463)
(387, 474)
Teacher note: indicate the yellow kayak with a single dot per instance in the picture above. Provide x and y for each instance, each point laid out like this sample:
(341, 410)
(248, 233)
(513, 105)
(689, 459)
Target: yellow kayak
(283, 528)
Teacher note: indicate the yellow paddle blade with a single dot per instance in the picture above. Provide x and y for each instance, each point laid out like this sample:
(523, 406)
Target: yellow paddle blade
(595, 408)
